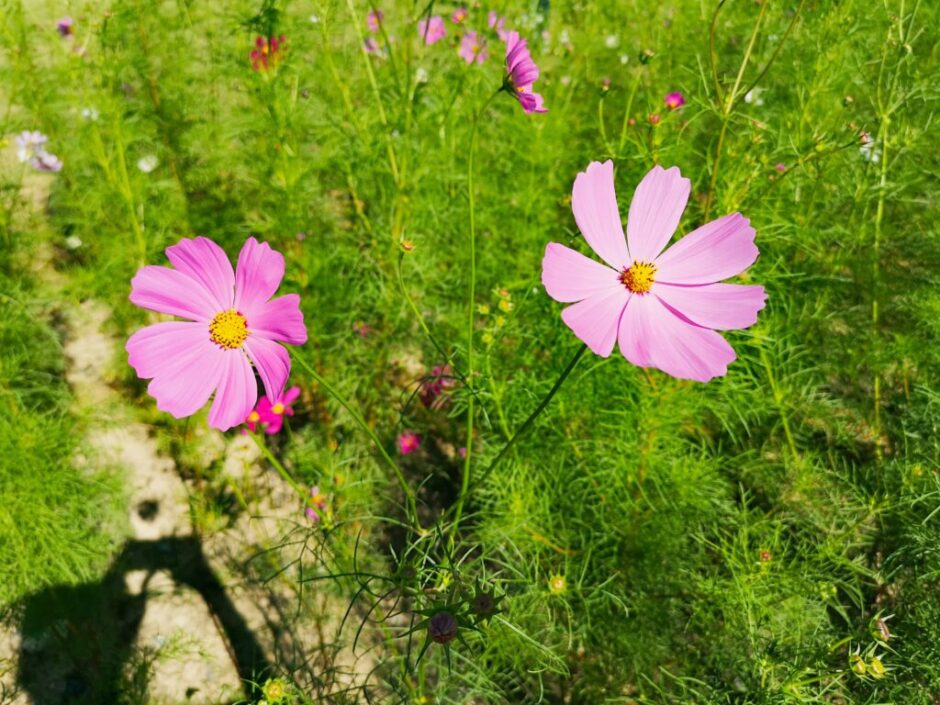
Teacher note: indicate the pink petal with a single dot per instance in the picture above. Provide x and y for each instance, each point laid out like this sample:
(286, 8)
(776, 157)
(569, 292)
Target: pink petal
(290, 396)
(272, 362)
(183, 388)
(594, 203)
(652, 336)
(237, 392)
(715, 251)
(570, 276)
(655, 210)
(175, 293)
(595, 320)
(154, 348)
(718, 306)
(279, 319)
(208, 264)
(274, 425)
(257, 276)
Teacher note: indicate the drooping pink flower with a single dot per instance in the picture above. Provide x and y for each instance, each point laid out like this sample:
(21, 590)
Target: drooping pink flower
(271, 416)
(460, 14)
(267, 52)
(436, 385)
(521, 74)
(473, 48)
(374, 20)
(497, 23)
(408, 442)
(316, 502)
(432, 30)
(65, 27)
(663, 307)
(674, 100)
(370, 46)
(232, 328)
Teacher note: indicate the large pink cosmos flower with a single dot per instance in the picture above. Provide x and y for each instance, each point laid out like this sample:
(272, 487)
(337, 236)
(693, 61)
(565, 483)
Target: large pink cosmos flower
(432, 30)
(663, 307)
(521, 74)
(231, 323)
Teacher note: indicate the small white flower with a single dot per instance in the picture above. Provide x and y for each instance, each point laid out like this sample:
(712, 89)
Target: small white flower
(752, 97)
(566, 80)
(90, 114)
(564, 37)
(314, 19)
(870, 152)
(421, 75)
(29, 144)
(73, 242)
(148, 163)
(624, 58)
(612, 41)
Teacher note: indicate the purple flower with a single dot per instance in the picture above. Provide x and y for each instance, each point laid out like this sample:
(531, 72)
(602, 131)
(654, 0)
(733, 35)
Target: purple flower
(674, 100)
(442, 627)
(522, 72)
(65, 27)
(432, 30)
(473, 48)
(31, 148)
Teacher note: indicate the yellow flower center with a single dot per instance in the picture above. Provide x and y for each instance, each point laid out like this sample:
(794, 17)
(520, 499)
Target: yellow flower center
(278, 408)
(254, 417)
(639, 278)
(228, 330)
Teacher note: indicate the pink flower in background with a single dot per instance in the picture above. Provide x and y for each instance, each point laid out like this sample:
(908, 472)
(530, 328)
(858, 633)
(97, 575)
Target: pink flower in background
(781, 167)
(271, 416)
(233, 328)
(370, 46)
(663, 307)
(472, 48)
(374, 20)
(316, 502)
(436, 385)
(46, 162)
(267, 52)
(408, 442)
(432, 30)
(497, 23)
(521, 74)
(65, 27)
(460, 14)
(362, 329)
(674, 100)
(31, 148)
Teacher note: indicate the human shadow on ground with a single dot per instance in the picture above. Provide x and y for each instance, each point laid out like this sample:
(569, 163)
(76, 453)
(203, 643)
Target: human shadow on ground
(78, 641)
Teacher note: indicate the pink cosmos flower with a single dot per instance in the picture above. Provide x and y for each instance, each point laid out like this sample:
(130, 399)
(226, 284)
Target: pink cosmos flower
(374, 20)
(521, 74)
(232, 324)
(316, 501)
(663, 307)
(370, 46)
(432, 30)
(434, 387)
(495, 22)
(674, 100)
(472, 48)
(65, 27)
(267, 52)
(460, 14)
(271, 416)
(408, 442)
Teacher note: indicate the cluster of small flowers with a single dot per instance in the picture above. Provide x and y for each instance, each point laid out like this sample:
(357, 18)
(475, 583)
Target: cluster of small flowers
(267, 53)
(31, 149)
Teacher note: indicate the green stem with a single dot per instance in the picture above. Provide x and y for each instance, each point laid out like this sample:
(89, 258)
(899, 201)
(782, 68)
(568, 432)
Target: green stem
(332, 391)
(281, 470)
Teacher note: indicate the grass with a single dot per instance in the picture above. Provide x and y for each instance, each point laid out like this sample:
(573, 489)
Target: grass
(735, 542)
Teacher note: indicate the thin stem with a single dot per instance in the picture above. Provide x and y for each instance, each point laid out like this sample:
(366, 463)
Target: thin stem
(332, 391)
(471, 307)
(281, 470)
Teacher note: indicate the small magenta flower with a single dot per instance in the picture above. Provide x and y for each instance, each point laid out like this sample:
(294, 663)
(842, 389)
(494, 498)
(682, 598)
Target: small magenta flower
(271, 416)
(781, 167)
(362, 329)
(674, 100)
(408, 442)
(65, 27)
(473, 48)
(316, 502)
(374, 20)
(435, 387)
(460, 14)
(498, 24)
(662, 304)
(232, 329)
(432, 30)
(522, 72)
(267, 52)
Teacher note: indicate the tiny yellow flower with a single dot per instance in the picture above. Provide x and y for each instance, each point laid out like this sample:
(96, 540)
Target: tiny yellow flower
(500, 321)
(488, 338)
(483, 309)
(505, 305)
(876, 667)
(557, 585)
(274, 690)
